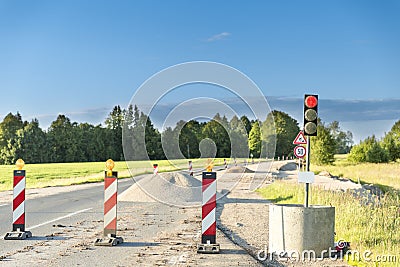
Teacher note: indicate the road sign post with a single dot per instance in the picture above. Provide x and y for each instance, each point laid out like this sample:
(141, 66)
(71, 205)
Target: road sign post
(300, 151)
(307, 170)
(310, 125)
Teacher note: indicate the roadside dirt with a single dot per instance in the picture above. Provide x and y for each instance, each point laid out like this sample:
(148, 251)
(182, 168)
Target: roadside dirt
(154, 235)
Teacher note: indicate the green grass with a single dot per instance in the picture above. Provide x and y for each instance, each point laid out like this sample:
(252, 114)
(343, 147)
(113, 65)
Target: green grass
(60, 174)
(367, 228)
(384, 175)
(43, 175)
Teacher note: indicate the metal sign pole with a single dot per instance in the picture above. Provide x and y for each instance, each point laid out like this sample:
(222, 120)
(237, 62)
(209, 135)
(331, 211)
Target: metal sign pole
(307, 169)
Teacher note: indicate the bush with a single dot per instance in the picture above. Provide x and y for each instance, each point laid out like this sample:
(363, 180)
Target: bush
(376, 154)
(323, 147)
(369, 150)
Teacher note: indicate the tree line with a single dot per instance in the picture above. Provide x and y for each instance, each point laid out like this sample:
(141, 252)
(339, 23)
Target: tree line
(378, 151)
(66, 141)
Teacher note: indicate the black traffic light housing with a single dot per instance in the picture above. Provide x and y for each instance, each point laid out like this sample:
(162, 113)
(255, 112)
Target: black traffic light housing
(310, 115)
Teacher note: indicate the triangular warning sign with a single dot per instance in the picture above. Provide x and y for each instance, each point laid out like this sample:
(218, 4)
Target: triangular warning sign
(300, 139)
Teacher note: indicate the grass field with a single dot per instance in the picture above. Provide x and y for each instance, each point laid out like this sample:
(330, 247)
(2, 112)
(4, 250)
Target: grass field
(366, 227)
(373, 227)
(58, 174)
(385, 175)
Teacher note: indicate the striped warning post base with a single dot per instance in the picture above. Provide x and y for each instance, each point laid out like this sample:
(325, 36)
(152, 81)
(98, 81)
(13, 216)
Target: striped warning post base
(110, 212)
(18, 223)
(110, 204)
(208, 223)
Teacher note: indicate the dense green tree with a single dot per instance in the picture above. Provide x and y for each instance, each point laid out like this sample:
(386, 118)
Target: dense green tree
(114, 122)
(9, 127)
(152, 138)
(101, 143)
(34, 148)
(215, 131)
(268, 136)
(281, 129)
(343, 140)
(255, 141)
(391, 142)
(87, 145)
(188, 139)
(236, 124)
(246, 123)
(358, 153)
(170, 143)
(60, 137)
(377, 154)
(368, 150)
(393, 149)
(323, 146)
(10, 137)
(239, 139)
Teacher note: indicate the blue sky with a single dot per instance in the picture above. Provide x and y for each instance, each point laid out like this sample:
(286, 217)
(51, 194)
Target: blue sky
(81, 58)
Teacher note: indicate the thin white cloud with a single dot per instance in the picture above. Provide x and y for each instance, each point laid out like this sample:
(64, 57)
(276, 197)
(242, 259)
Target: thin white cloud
(219, 36)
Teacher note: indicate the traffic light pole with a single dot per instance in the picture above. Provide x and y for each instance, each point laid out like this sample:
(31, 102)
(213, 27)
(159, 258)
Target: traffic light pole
(307, 169)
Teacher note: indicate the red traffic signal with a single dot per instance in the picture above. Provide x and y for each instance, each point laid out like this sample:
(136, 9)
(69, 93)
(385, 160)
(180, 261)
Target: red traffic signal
(311, 101)
(310, 115)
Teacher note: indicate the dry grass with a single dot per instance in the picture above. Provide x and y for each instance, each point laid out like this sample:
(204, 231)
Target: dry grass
(374, 228)
(383, 174)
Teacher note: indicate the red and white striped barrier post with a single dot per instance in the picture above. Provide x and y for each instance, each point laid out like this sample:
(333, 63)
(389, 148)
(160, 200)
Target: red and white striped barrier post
(18, 223)
(155, 169)
(190, 168)
(208, 223)
(110, 208)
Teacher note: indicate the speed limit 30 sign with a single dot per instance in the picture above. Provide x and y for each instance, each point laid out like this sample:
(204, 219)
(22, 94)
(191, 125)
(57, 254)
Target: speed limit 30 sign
(300, 151)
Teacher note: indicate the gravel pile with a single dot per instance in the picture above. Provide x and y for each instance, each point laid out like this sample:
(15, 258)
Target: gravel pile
(239, 169)
(175, 189)
(291, 166)
(326, 174)
(368, 194)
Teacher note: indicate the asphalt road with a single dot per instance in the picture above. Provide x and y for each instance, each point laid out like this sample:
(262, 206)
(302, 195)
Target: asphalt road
(64, 208)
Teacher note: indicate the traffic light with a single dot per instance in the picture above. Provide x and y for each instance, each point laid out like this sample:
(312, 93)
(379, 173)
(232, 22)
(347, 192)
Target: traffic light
(310, 115)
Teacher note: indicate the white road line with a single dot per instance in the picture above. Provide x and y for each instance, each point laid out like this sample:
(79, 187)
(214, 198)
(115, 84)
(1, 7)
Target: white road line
(59, 218)
(1, 205)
